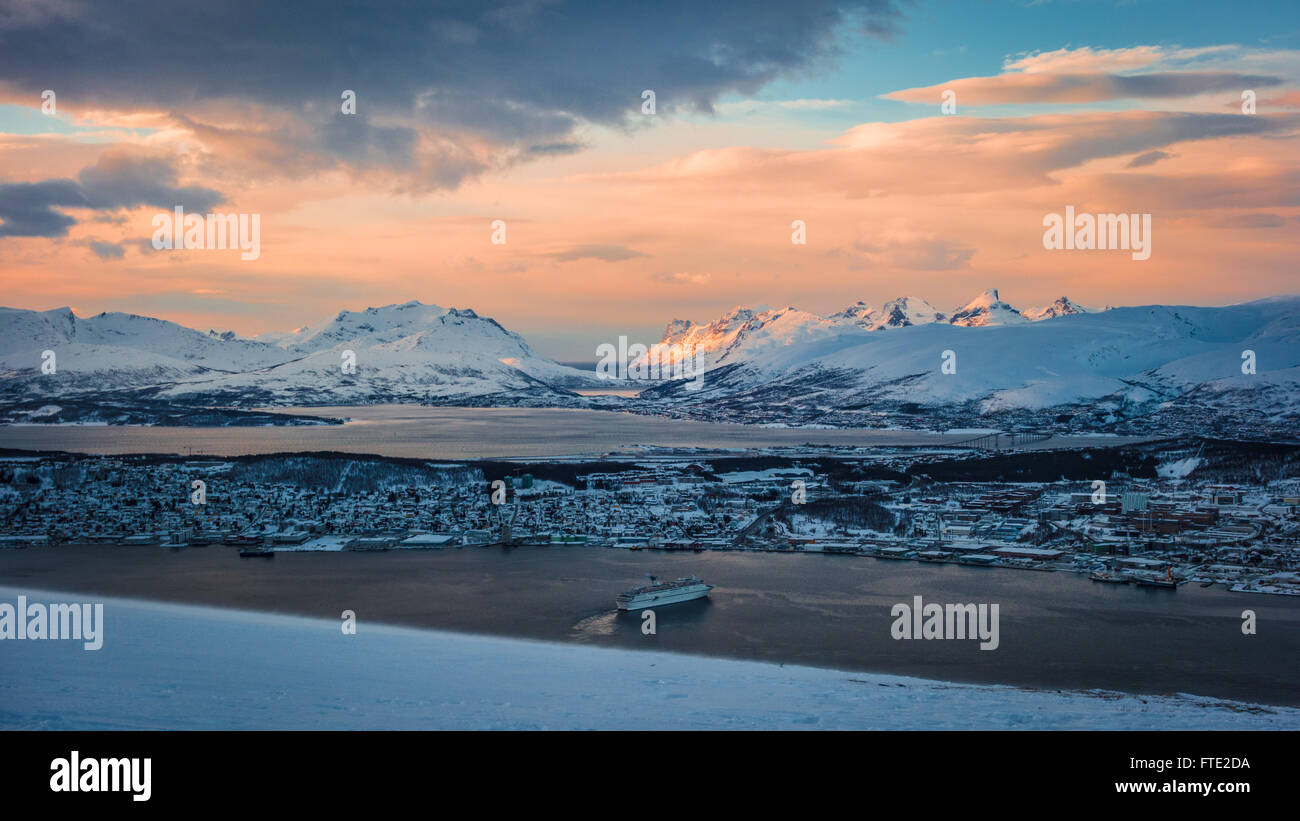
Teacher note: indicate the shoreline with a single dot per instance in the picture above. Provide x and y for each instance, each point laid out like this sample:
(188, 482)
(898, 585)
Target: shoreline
(469, 433)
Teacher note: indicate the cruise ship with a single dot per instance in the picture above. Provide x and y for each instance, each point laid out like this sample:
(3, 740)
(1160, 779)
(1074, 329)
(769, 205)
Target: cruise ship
(655, 594)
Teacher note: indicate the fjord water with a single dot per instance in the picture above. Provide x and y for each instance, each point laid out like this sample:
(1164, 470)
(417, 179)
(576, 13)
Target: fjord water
(1057, 630)
(416, 431)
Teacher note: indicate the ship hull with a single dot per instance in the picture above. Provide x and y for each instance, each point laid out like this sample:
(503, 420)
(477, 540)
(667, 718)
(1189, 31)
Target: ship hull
(1159, 584)
(644, 600)
(1110, 579)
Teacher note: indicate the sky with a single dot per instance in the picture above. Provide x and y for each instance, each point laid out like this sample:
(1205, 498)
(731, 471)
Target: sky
(618, 219)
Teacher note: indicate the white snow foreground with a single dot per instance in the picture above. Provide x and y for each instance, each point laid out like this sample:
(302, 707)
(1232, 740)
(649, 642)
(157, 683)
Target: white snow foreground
(179, 667)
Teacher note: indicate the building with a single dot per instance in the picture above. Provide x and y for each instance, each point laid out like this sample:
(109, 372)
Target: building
(1041, 554)
(429, 540)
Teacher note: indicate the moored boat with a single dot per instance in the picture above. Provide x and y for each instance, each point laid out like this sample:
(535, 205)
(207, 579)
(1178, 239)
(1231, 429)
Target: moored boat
(1165, 582)
(1108, 577)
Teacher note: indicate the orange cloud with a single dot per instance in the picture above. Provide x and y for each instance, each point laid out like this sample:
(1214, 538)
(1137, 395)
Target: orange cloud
(940, 207)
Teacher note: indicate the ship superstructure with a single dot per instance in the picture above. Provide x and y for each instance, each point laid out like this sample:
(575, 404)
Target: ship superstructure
(659, 593)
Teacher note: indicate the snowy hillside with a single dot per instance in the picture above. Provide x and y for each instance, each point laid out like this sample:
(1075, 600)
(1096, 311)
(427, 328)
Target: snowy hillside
(1115, 365)
(409, 352)
(1178, 368)
(1061, 307)
(769, 339)
(896, 313)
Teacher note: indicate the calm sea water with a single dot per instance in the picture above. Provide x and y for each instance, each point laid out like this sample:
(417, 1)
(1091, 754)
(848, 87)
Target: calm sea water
(461, 433)
(1057, 630)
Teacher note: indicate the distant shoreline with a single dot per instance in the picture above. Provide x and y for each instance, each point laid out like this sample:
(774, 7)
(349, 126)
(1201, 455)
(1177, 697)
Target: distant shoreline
(422, 431)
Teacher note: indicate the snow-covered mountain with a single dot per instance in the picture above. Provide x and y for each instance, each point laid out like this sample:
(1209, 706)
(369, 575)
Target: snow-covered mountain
(907, 311)
(1176, 367)
(760, 336)
(409, 352)
(1061, 307)
(1108, 366)
(896, 313)
(984, 310)
(859, 313)
(114, 352)
(38, 330)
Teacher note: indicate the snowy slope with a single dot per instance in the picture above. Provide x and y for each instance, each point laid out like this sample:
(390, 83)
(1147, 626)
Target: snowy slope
(904, 312)
(896, 313)
(22, 331)
(402, 352)
(773, 340)
(1061, 307)
(410, 351)
(1134, 359)
(190, 668)
(761, 364)
(115, 351)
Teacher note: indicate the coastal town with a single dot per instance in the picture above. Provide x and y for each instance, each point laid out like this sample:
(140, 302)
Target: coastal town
(1182, 525)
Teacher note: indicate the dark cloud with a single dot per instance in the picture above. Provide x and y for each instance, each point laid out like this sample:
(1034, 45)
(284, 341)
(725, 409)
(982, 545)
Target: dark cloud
(123, 180)
(1149, 158)
(1254, 221)
(363, 144)
(554, 149)
(1183, 83)
(1149, 132)
(444, 89)
(118, 180)
(104, 250)
(107, 250)
(27, 208)
(608, 253)
(1042, 87)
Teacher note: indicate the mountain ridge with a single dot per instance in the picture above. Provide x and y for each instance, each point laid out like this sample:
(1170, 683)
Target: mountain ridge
(857, 367)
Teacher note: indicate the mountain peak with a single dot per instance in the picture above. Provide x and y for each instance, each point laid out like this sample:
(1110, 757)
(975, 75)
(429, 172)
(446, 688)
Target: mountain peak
(986, 309)
(987, 299)
(1061, 307)
(903, 312)
(858, 313)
